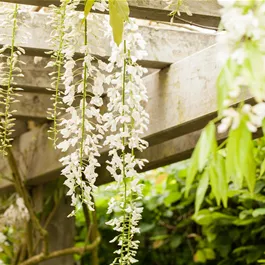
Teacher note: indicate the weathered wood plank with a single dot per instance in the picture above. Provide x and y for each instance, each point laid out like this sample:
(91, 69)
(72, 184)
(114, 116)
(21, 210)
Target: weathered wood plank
(165, 46)
(205, 12)
(182, 97)
(182, 100)
(30, 149)
(32, 106)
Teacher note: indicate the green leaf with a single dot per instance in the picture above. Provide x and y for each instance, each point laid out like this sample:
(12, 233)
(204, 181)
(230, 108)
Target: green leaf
(222, 179)
(201, 190)
(214, 180)
(262, 168)
(243, 249)
(119, 13)
(263, 127)
(172, 197)
(218, 179)
(253, 70)
(193, 169)
(199, 256)
(206, 145)
(240, 161)
(209, 253)
(245, 222)
(176, 241)
(232, 158)
(258, 212)
(88, 6)
(226, 82)
(146, 227)
(206, 217)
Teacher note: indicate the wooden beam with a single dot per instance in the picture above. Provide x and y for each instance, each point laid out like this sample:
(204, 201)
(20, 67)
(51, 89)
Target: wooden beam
(182, 97)
(165, 46)
(30, 149)
(205, 12)
(32, 106)
(182, 100)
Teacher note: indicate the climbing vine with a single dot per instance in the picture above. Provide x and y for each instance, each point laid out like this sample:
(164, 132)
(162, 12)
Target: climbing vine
(9, 71)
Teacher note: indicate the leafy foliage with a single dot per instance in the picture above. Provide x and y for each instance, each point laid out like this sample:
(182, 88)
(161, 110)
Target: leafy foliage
(171, 232)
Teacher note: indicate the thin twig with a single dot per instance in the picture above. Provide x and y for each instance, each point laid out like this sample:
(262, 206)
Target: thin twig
(22, 191)
(48, 220)
(64, 252)
(29, 239)
(92, 232)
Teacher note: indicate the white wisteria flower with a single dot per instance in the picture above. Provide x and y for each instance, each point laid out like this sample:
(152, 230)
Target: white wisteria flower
(82, 128)
(3, 239)
(10, 53)
(16, 214)
(127, 122)
(243, 57)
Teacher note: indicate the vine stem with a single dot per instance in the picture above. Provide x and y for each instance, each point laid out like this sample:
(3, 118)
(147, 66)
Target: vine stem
(10, 74)
(83, 103)
(59, 253)
(22, 191)
(59, 60)
(123, 151)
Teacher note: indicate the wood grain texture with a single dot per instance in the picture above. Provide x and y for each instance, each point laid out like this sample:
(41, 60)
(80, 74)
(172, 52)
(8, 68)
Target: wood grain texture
(182, 101)
(205, 12)
(164, 45)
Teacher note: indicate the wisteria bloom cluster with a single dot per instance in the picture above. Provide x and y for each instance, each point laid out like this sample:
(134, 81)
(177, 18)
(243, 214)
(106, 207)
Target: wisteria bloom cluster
(243, 58)
(80, 84)
(127, 121)
(14, 218)
(96, 104)
(81, 129)
(9, 71)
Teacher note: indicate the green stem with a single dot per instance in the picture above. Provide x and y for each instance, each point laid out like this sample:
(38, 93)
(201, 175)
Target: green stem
(10, 78)
(123, 151)
(59, 60)
(83, 104)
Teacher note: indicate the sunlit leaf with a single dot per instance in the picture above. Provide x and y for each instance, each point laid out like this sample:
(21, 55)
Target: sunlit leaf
(206, 217)
(119, 13)
(209, 253)
(258, 212)
(263, 127)
(201, 190)
(172, 197)
(222, 179)
(226, 82)
(205, 147)
(207, 144)
(176, 241)
(88, 6)
(199, 256)
(214, 180)
(240, 162)
(253, 69)
(262, 168)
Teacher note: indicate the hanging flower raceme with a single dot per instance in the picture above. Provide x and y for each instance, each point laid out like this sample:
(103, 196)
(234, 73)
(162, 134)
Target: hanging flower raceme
(59, 43)
(127, 121)
(82, 128)
(9, 70)
(243, 54)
